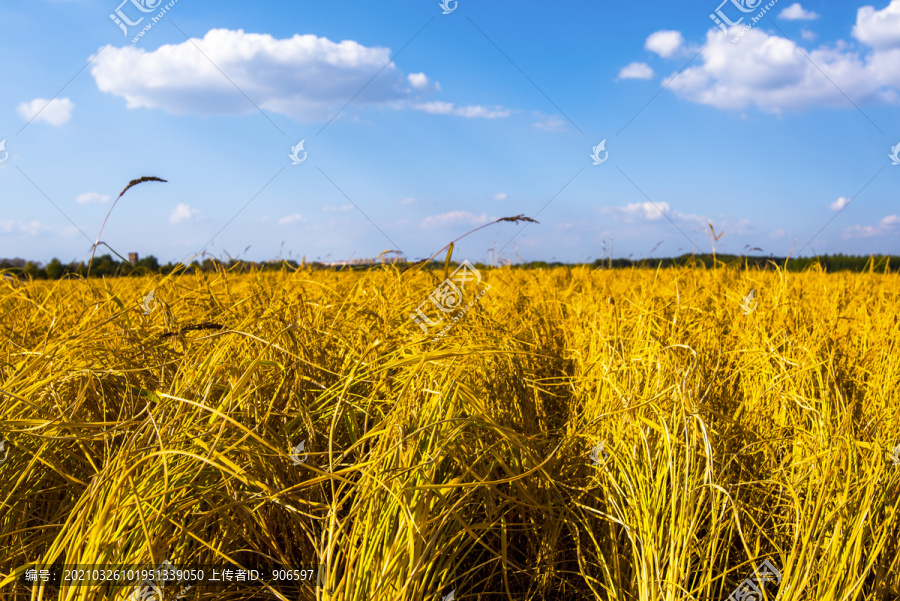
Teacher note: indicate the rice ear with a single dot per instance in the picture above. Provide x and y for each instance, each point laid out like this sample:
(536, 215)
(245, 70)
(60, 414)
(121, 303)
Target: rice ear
(130, 185)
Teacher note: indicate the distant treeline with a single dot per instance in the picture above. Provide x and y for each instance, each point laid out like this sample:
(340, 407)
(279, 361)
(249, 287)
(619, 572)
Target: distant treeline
(105, 265)
(839, 262)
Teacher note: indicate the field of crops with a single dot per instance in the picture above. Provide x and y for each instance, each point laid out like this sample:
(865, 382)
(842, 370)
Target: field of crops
(576, 434)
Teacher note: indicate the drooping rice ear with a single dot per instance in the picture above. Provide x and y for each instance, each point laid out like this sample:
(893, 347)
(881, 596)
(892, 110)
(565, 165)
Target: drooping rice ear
(130, 185)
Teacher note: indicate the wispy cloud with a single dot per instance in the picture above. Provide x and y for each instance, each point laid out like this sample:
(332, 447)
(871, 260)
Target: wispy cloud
(553, 123)
(457, 218)
(889, 226)
(91, 197)
(26, 228)
(291, 219)
(55, 112)
(184, 213)
(470, 112)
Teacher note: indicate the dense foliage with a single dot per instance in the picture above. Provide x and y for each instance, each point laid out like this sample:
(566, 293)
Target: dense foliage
(106, 265)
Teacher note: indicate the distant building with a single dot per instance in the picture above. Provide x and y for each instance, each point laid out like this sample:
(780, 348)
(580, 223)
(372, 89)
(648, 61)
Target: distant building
(133, 258)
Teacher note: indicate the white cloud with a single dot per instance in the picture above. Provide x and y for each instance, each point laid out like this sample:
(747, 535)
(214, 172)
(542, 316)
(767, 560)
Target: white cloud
(16, 227)
(807, 34)
(55, 112)
(409, 201)
(500, 196)
(839, 204)
(457, 218)
(418, 80)
(448, 108)
(665, 43)
(91, 197)
(890, 225)
(795, 12)
(636, 71)
(291, 219)
(879, 29)
(342, 209)
(305, 77)
(648, 211)
(549, 123)
(769, 72)
(741, 226)
(183, 213)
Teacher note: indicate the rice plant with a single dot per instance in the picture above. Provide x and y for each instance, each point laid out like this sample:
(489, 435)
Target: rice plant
(465, 467)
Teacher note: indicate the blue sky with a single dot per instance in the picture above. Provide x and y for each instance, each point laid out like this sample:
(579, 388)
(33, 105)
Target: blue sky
(418, 126)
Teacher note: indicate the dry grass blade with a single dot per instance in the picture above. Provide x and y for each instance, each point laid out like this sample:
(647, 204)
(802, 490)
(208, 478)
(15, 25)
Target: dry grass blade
(130, 185)
(449, 246)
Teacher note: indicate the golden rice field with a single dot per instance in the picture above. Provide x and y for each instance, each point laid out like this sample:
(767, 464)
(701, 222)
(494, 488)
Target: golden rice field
(627, 435)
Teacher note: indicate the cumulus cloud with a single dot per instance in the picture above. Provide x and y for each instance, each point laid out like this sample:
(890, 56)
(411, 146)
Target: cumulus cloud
(55, 112)
(91, 197)
(418, 80)
(184, 213)
(648, 211)
(769, 72)
(839, 204)
(341, 209)
(291, 219)
(795, 12)
(305, 77)
(457, 218)
(665, 43)
(808, 35)
(500, 196)
(448, 108)
(409, 201)
(879, 29)
(636, 71)
(890, 225)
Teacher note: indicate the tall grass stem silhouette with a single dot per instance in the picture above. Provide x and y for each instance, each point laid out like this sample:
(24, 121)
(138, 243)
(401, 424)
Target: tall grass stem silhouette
(130, 185)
